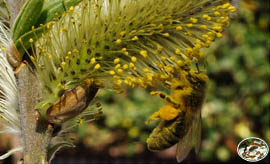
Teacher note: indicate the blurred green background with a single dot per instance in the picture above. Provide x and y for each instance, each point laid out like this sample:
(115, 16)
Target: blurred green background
(236, 107)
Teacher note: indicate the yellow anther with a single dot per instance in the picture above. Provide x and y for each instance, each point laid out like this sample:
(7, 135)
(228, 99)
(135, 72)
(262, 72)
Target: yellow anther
(118, 41)
(163, 58)
(125, 53)
(116, 61)
(124, 49)
(194, 20)
(141, 31)
(123, 33)
(166, 34)
(226, 5)
(232, 9)
(33, 27)
(117, 66)
(205, 36)
(3, 49)
(159, 48)
(177, 51)
(97, 66)
(172, 58)
(93, 60)
(133, 31)
(125, 66)
(133, 59)
(31, 40)
(219, 35)
(217, 13)
(203, 26)
(179, 28)
(143, 53)
(131, 65)
(32, 58)
(205, 16)
(169, 69)
(135, 38)
(69, 53)
(63, 63)
(180, 63)
(120, 71)
(145, 70)
(71, 8)
(112, 73)
(189, 25)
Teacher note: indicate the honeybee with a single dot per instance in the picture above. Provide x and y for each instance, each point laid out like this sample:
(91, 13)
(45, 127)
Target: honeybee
(181, 115)
(71, 103)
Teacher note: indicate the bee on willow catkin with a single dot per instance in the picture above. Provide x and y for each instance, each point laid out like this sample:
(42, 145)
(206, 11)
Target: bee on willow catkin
(71, 103)
(181, 116)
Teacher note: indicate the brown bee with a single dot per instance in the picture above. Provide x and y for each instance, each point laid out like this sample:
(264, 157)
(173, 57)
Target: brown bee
(181, 116)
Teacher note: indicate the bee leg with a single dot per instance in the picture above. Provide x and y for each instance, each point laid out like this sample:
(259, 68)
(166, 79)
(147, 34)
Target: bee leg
(153, 117)
(166, 97)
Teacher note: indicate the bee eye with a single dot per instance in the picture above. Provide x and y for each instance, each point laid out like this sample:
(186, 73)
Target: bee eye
(179, 87)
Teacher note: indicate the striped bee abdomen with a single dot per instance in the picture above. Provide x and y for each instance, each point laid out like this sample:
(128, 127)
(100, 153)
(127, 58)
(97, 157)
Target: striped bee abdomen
(166, 134)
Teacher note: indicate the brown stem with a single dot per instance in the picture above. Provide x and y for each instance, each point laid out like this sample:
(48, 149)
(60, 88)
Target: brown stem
(35, 139)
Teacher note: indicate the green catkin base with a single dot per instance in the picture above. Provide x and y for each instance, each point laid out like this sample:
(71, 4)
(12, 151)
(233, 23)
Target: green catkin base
(131, 42)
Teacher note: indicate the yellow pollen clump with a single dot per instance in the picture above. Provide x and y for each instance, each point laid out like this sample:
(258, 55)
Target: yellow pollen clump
(31, 40)
(116, 61)
(177, 51)
(135, 38)
(166, 34)
(97, 66)
(143, 53)
(179, 28)
(93, 60)
(118, 41)
(133, 59)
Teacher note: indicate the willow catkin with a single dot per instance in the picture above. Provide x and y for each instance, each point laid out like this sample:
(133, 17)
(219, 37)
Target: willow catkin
(131, 42)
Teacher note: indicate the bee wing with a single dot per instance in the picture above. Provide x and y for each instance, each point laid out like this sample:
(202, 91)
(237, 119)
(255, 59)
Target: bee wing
(197, 131)
(184, 146)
